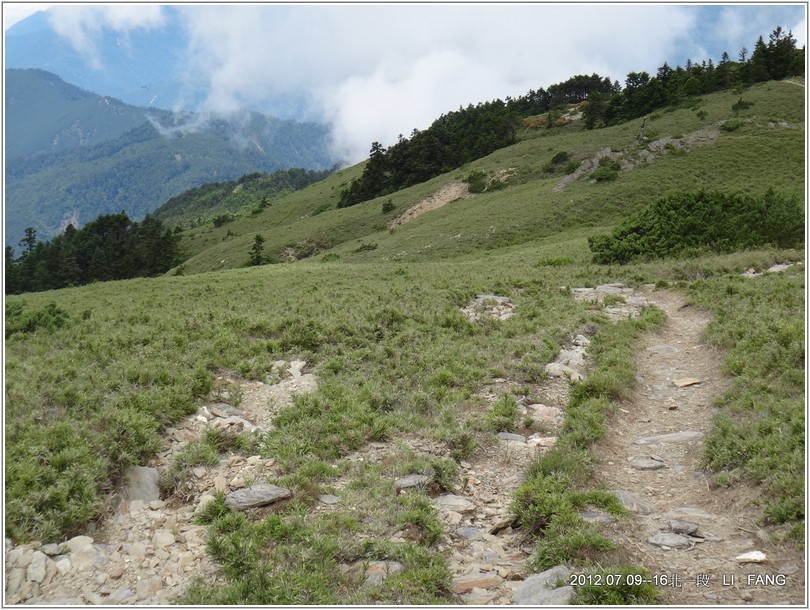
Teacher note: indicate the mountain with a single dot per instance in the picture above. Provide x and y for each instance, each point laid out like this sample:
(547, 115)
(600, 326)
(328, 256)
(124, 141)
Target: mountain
(145, 67)
(552, 181)
(72, 155)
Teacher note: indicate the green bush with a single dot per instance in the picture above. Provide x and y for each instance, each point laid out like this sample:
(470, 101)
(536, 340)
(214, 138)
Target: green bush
(703, 221)
(732, 125)
(477, 182)
(607, 171)
(47, 318)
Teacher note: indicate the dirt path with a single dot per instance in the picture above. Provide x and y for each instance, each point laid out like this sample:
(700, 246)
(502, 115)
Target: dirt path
(679, 377)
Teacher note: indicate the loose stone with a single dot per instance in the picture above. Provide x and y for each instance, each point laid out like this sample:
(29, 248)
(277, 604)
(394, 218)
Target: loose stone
(463, 584)
(666, 539)
(258, 495)
(647, 464)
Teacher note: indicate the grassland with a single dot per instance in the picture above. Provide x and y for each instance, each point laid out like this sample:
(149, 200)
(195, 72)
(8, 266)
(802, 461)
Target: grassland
(94, 373)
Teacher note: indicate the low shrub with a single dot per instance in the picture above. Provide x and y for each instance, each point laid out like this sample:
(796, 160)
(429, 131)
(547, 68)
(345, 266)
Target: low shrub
(703, 221)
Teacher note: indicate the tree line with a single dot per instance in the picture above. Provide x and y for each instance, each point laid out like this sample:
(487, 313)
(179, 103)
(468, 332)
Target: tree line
(777, 59)
(459, 137)
(112, 247)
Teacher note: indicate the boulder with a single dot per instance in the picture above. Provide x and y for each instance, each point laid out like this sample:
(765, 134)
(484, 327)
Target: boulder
(541, 589)
(258, 495)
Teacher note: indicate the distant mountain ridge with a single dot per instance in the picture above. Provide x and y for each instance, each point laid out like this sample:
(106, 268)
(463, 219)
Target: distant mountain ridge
(145, 67)
(72, 155)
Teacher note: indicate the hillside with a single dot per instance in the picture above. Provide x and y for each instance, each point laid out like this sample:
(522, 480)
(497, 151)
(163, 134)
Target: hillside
(95, 155)
(687, 145)
(435, 396)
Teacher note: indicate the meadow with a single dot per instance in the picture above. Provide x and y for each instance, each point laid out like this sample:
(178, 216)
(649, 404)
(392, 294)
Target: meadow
(94, 373)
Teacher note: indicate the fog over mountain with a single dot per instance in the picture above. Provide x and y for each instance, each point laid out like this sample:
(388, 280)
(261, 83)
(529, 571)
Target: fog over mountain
(371, 71)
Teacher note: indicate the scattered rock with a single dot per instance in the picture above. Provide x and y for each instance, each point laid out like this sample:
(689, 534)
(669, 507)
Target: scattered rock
(163, 538)
(541, 589)
(37, 568)
(752, 557)
(557, 369)
(455, 503)
(687, 381)
(597, 516)
(328, 499)
(470, 533)
(667, 539)
(412, 480)
(508, 436)
(462, 584)
(646, 464)
(78, 542)
(683, 527)
(258, 495)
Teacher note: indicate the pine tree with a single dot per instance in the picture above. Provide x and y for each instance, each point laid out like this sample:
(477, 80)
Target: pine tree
(256, 256)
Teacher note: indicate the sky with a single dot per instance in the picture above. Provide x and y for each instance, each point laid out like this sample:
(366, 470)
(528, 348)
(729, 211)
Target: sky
(375, 71)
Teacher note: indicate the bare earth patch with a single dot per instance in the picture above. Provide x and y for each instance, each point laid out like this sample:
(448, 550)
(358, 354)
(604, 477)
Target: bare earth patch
(446, 194)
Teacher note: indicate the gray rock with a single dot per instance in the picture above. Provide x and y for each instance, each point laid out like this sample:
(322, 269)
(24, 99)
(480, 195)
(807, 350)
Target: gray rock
(412, 480)
(470, 533)
(223, 409)
(455, 503)
(543, 411)
(508, 436)
(646, 464)
(163, 538)
(674, 437)
(328, 499)
(632, 502)
(557, 369)
(468, 582)
(78, 542)
(683, 527)
(14, 581)
(593, 516)
(541, 589)
(141, 484)
(123, 596)
(258, 495)
(148, 587)
(51, 549)
(37, 568)
(674, 541)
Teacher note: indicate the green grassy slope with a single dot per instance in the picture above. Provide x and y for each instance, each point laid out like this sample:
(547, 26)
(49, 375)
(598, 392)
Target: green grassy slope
(91, 380)
(743, 160)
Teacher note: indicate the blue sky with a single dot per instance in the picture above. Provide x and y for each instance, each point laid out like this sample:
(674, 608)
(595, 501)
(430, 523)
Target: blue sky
(375, 71)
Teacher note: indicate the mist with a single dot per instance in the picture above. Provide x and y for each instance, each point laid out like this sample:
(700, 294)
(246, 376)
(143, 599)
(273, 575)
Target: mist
(373, 72)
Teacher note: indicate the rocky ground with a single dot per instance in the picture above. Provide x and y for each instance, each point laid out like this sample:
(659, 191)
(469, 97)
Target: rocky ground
(702, 540)
(149, 551)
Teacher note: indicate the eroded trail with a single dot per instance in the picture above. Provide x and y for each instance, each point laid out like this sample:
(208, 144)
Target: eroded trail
(683, 527)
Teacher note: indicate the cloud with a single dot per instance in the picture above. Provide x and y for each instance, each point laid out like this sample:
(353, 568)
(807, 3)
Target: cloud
(377, 71)
(81, 26)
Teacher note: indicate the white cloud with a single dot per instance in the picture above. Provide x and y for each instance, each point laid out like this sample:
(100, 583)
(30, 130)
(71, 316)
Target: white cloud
(14, 12)
(82, 25)
(375, 71)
